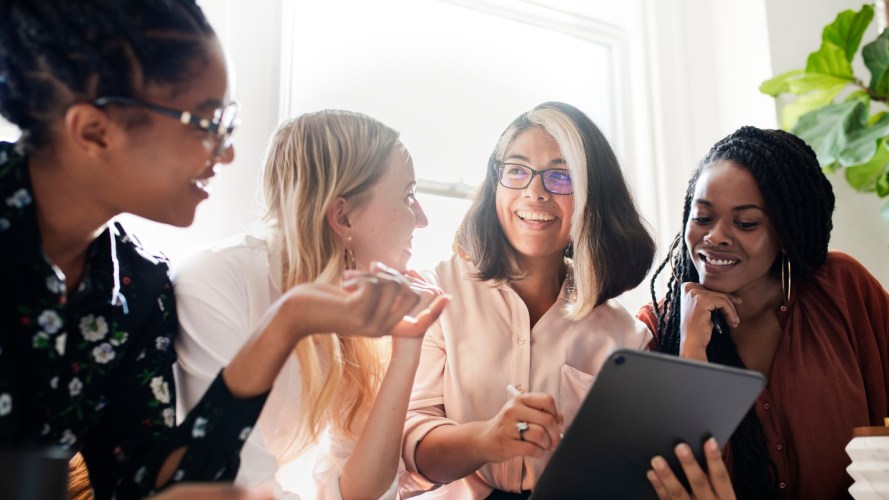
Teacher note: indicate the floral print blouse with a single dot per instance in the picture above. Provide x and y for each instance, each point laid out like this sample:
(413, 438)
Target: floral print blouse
(92, 371)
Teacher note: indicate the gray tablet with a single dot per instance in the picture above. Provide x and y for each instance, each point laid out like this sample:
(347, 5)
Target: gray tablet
(642, 404)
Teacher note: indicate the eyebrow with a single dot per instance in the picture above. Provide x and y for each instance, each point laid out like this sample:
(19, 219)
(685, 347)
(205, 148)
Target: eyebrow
(211, 104)
(410, 185)
(739, 208)
(557, 161)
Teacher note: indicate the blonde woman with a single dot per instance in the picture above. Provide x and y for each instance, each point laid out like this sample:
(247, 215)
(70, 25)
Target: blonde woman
(339, 190)
(551, 238)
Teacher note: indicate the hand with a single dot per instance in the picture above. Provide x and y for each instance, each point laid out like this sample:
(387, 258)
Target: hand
(696, 323)
(408, 348)
(501, 439)
(714, 484)
(209, 491)
(369, 304)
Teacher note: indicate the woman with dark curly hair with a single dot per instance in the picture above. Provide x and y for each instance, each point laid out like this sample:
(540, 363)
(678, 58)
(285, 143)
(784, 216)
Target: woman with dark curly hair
(753, 285)
(123, 107)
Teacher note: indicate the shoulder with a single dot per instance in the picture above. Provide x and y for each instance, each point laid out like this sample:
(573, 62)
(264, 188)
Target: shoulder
(134, 258)
(840, 269)
(614, 318)
(239, 257)
(453, 273)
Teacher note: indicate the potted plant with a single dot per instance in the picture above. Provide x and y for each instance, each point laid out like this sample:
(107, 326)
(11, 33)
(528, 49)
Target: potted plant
(843, 118)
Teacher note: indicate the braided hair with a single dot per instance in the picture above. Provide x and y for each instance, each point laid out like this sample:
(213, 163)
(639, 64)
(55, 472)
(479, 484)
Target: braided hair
(55, 53)
(799, 202)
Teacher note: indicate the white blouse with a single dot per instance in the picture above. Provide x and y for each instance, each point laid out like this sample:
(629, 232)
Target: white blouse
(221, 295)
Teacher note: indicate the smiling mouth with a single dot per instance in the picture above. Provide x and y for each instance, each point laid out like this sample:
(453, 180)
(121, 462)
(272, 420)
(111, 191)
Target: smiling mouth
(534, 217)
(717, 262)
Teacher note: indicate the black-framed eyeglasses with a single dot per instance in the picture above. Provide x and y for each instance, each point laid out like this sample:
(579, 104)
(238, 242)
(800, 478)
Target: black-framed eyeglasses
(220, 127)
(518, 176)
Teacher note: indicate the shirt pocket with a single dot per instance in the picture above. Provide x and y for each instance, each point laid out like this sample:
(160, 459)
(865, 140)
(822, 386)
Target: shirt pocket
(573, 387)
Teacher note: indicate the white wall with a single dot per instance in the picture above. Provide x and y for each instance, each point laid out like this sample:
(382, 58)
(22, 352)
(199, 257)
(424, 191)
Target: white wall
(795, 31)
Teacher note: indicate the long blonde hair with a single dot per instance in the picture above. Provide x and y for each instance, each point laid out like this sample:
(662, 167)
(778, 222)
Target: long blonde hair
(313, 160)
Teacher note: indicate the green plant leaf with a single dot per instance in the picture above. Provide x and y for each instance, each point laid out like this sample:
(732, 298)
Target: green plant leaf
(830, 60)
(826, 129)
(876, 58)
(832, 168)
(780, 83)
(857, 94)
(861, 144)
(792, 111)
(882, 187)
(808, 82)
(864, 177)
(848, 28)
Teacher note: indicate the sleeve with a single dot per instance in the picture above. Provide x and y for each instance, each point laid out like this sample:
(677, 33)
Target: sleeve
(213, 303)
(136, 435)
(426, 409)
(646, 315)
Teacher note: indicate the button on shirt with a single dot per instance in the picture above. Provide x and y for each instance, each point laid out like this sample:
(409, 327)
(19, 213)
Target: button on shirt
(483, 342)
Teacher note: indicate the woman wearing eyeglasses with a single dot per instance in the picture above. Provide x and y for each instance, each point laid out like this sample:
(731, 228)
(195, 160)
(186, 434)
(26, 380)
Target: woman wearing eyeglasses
(123, 107)
(551, 237)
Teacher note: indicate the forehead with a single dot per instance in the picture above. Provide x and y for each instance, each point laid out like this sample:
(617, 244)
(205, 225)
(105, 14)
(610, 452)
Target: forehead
(728, 183)
(399, 168)
(533, 141)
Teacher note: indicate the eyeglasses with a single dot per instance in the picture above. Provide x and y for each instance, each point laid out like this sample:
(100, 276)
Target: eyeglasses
(220, 127)
(518, 176)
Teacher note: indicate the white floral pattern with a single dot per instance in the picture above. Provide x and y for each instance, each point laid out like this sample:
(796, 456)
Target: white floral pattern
(162, 343)
(5, 404)
(50, 321)
(161, 389)
(4, 224)
(75, 386)
(200, 428)
(19, 199)
(60, 343)
(169, 415)
(68, 439)
(54, 284)
(103, 353)
(93, 328)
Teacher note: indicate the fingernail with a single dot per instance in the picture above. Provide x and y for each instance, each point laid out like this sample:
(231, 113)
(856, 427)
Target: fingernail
(682, 450)
(659, 463)
(712, 445)
(651, 476)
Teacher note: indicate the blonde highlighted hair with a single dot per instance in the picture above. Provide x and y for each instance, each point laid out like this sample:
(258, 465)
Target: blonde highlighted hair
(313, 160)
(611, 250)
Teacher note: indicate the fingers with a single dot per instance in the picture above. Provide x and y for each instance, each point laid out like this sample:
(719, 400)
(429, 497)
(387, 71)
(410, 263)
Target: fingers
(664, 481)
(697, 479)
(699, 298)
(719, 476)
(417, 326)
(544, 421)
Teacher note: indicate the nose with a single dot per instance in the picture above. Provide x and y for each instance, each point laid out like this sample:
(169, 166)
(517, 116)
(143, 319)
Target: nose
(420, 215)
(226, 156)
(719, 233)
(535, 189)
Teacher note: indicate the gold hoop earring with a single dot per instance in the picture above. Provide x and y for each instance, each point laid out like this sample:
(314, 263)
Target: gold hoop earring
(786, 280)
(348, 255)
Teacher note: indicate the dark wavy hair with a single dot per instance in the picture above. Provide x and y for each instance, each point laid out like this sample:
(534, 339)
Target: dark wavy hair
(799, 202)
(55, 53)
(611, 248)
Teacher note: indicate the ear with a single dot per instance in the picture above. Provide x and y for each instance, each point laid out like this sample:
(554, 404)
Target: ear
(338, 217)
(90, 130)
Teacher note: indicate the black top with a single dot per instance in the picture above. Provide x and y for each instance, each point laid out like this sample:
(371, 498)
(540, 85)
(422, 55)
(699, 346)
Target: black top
(93, 371)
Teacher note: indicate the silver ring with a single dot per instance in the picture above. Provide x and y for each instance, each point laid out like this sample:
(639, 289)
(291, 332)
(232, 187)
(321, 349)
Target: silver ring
(521, 427)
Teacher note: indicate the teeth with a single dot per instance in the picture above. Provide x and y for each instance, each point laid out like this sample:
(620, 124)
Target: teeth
(200, 183)
(721, 262)
(534, 216)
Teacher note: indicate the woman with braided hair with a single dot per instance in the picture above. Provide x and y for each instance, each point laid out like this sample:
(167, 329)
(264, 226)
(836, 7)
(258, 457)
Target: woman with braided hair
(753, 285)
(123, 107)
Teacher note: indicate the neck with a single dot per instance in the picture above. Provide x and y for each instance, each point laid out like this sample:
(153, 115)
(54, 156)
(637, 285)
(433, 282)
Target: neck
(541, 287)
(761, 297)
(68, 216)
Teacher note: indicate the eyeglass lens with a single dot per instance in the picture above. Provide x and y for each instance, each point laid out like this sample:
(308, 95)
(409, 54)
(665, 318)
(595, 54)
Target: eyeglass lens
(555, 180)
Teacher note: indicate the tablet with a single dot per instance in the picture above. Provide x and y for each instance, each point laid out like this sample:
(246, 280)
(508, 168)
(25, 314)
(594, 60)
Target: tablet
(642, 404)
